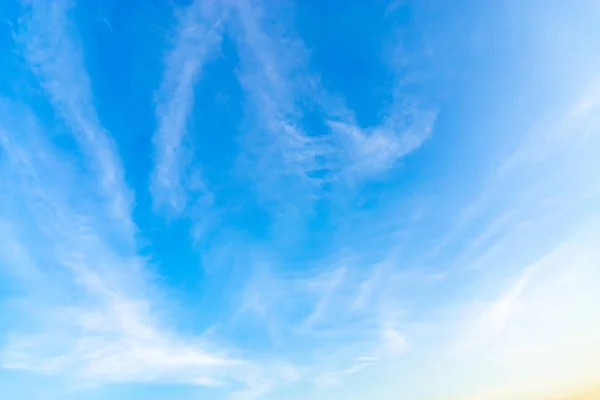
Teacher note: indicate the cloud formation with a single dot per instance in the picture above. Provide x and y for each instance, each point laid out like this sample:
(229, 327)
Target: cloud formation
(196, 41)
(55, 56)
(452, 243)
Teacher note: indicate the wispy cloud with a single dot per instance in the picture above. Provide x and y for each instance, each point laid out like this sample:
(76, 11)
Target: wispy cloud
(347, 313)
(514, 202)
(87, 310)
(519, 302)
(54, 54)
(109, 332)
(335, 378)
(326, 285)
(196, 40)
(96, 313)
(405, 123)
(279, 86)
(371, 151)
(529, 255)
(541, 326)
(279, 150)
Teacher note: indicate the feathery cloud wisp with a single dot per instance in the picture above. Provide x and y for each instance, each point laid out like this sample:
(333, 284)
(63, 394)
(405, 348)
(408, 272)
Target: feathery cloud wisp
(196, 40)
(278, 84)
(110, 333)
(278, 148)
(55, 56)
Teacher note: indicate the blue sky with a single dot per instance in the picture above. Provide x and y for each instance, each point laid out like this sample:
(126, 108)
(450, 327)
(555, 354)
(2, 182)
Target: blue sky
(287, 200)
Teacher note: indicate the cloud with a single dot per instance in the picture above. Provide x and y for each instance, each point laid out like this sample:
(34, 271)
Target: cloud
(114, 343)
(393, 342)
(334, 378)
(372, 151)
(261, 381)
(88, 305)
(314, 310)
(197, 39)
(517, 200)
(55, 56)
(524, 325)
(89, 308)
(539, 336)
(291, 164)
(278, 149)
(405, 124)
(326, 285)
(518, 303)
(110, 333)
(575, 122)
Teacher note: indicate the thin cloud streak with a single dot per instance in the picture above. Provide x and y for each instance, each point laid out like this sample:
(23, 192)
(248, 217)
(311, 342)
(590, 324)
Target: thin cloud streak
(197, 39)
(55, 56)
(405, 125)
(93, 313)
(278, 149)
(372, 151)
(345, 339)
(111, 332)
(277, 80)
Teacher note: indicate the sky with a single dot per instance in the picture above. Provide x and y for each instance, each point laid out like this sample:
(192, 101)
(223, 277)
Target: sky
(244, 199)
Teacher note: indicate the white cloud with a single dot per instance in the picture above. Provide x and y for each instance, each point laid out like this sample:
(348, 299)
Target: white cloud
(102, 322)
(348, 318)
(279, 151)
(539, 336)
(325, 285)
(109, 333)
(196, 40)
(261, 381)
(87, 310)
(327, 380)
(55, 56)
(115, 343)
(372, 151)
(519, 199)
(278, 82)
(87, 305)
(393, 342)
(526, 324)
(334, 378)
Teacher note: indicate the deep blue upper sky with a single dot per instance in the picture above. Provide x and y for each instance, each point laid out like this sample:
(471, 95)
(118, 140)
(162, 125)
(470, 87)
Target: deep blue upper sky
(290, 200)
